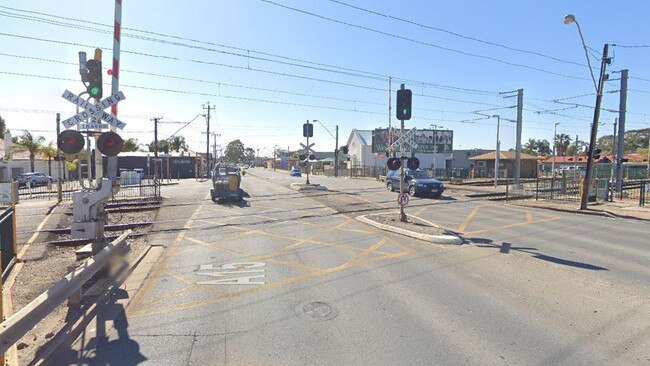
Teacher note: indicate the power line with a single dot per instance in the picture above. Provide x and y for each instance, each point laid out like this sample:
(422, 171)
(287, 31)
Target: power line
(638, 78)
(267, 89)
(412, 40)
(347, 71)
(631, 46)
(438, 29)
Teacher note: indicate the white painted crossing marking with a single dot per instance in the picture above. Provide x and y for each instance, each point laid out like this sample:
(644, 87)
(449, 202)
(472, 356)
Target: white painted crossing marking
(235, 268)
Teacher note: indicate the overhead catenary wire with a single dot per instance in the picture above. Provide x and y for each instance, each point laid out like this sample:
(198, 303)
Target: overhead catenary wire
(456, 34)
(422, 43)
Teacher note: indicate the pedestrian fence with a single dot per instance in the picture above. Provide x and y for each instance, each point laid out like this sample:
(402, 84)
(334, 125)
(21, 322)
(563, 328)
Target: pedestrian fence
(570, 190)
(131, 188)
(7, 239)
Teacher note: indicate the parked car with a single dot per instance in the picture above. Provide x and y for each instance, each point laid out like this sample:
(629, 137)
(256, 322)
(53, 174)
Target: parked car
(33, 179)
(416, 183)
(295, 172)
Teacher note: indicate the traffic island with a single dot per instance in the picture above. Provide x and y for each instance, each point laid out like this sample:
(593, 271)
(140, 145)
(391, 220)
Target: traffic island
(307, 187)
(414, 227)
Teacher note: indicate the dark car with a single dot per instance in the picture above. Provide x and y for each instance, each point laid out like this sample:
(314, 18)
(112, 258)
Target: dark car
(416, 183)
(295, 172)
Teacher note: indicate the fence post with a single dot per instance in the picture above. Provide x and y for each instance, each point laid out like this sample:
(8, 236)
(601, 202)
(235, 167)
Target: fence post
(59, 189)
(537, 189)
(642, 193)
(507, 185)
(2, 355)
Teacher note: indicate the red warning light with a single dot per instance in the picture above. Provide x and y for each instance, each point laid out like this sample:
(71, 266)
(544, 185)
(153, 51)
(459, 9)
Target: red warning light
(109, 72)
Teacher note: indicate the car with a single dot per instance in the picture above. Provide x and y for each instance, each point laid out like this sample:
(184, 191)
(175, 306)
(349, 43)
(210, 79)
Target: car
(295, 172)
(33, 179)
(416, 183)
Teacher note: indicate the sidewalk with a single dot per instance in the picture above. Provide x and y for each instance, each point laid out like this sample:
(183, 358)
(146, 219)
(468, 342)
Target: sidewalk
(612, 209)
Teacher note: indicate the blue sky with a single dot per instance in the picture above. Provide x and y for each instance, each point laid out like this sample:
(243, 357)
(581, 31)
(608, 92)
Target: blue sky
(264, 118)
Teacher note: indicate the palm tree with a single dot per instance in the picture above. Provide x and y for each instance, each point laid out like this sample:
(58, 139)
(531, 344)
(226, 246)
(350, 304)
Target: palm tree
(27, 142)
(177, 143)
(562, 142)
(50, 153)
(531, 146)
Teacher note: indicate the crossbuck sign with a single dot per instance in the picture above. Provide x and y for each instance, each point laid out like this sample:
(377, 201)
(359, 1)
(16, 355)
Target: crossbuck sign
(93, 111)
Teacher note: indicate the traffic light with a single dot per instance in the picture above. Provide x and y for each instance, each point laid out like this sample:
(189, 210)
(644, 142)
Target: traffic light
(70, 141)
(308, 130)
(302, 157)
(94, 78)
(597, 153)
(393, 164)
(312, 157)
(413, 163)
(404, 97)
(109, 143)
(344, 149)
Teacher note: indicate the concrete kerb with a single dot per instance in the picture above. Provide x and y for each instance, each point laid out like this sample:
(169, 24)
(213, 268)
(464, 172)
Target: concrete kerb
(437, 239)
(305, 187)
(589, 212)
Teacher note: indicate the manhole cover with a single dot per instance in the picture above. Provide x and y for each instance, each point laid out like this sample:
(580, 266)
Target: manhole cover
(316, 310)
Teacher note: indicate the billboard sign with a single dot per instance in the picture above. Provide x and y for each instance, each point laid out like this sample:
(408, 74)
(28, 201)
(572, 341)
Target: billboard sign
(443, 141)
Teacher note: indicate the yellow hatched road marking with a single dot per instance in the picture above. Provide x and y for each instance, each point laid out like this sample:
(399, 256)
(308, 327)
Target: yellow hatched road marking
(468, 219)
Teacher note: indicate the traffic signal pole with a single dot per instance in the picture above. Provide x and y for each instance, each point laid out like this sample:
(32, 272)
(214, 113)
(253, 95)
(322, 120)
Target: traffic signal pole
(402, 214)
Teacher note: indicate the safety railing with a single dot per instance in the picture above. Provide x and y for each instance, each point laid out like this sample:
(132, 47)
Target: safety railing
(8, 247)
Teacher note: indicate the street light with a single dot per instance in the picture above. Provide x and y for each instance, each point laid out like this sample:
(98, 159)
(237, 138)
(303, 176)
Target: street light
(498, 152)
(568, 19)
(336, 147)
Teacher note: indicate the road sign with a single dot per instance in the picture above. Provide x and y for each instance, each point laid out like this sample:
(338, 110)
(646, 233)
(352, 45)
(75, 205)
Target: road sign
(93, 111)
(403, 199)
(408, 139)
(307, 148)
(93, 126)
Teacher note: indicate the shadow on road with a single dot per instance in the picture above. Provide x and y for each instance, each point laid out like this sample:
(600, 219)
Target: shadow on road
(506, 247)
(100, 351)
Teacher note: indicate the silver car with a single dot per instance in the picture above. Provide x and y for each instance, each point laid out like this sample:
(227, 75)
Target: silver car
(34, 179)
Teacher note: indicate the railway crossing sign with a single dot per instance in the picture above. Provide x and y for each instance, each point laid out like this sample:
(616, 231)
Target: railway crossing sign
(93, 111)
(408, 138)
(403, 199)
(307, 148)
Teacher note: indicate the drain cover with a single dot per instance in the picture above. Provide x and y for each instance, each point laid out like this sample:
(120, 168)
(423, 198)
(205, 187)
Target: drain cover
(316, 310)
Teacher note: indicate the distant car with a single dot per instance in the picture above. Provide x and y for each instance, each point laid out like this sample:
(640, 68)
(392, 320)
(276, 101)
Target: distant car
(416, 183)
(295, 172)
(33, 179)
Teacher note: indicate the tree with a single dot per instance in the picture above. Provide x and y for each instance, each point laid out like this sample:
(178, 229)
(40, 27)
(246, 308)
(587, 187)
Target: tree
(249, 154)
(161, 146)
(562, 142)
(530, 147)
(543, 147)
(3, 128)
(130, 145)
(27, 142)
(177, 143)
(70, 166)
(235, 152)
(49, 152)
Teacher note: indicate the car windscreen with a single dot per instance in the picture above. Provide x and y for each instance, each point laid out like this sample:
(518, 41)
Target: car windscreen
(419, 174)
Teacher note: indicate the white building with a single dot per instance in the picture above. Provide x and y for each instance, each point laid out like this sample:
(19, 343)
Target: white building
(360, 152)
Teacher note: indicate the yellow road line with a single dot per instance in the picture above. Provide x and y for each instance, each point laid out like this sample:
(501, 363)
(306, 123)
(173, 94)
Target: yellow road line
(468, 219)
(511, 225)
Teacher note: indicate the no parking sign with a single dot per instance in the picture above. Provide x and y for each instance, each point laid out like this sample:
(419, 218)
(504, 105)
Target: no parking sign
(403, 199)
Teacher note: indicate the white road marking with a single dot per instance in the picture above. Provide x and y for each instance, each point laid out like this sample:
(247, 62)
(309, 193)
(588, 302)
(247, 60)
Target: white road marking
(235, 268)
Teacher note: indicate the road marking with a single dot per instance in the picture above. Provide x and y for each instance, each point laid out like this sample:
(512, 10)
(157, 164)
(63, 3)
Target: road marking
(236, 268)
(468, 219)
(511, 225)
(529, 216)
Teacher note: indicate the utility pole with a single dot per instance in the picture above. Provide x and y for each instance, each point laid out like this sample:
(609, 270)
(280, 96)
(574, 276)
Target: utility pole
(613, 170)
(576, 156)
(155, 135)
(336, 153)
(594, 130)
(520, 108)
(622, 109)
(498, 152)
(390, 112)
(58, 158)
(207, 140)
(554, 143)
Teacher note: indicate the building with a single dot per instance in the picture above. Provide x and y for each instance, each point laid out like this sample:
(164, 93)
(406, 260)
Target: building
(461, 165)
(12, 165)
(359, 145)
(484, 167)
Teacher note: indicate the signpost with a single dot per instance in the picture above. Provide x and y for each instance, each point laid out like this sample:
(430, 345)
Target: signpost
(93, 111)
(402, 200)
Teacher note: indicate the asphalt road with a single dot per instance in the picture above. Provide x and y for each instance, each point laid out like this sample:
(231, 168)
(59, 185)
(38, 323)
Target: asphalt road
(293, 278)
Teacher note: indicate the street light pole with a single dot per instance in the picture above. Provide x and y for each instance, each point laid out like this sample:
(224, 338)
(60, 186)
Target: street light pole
(498, 152)
(584, 199)
(435, 146)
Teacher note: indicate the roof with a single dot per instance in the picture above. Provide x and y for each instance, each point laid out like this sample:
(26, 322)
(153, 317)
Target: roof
(364, 136)
(503, 155)
(634, 158)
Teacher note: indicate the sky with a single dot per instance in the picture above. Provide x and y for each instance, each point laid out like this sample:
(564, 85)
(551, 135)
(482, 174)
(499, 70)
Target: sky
(267, 66)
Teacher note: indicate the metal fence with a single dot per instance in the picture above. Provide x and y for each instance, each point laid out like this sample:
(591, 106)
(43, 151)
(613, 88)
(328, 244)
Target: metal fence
(149, 187)
(570, 190)
(7, 239)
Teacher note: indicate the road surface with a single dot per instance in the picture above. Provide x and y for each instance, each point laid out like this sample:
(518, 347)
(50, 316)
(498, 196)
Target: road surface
(292, 278)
